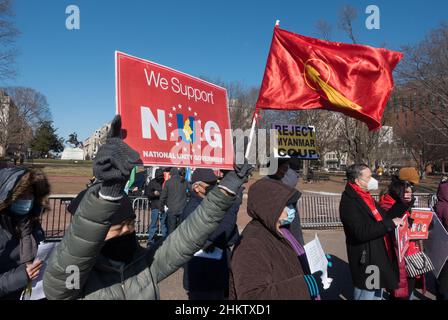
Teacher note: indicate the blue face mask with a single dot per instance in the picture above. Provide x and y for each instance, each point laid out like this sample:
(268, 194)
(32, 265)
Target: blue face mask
(291, 215)
(22, 207)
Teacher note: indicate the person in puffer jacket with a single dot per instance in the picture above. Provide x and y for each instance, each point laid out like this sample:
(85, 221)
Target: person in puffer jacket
(23, 196)
(99, 257)
(404, 183)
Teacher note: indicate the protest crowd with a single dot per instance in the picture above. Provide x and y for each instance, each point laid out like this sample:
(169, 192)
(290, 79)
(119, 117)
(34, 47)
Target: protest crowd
(267, 261)
(193, 210)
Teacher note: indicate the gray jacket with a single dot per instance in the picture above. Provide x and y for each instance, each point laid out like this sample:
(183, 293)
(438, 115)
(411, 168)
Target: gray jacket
(101, 278)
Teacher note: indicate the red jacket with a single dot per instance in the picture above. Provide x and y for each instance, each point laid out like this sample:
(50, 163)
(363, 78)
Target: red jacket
(386, 202)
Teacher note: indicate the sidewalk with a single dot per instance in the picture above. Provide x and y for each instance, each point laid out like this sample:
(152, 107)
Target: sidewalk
(333, 242)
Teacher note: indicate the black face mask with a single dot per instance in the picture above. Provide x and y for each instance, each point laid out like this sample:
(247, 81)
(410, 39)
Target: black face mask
(209, 188)
(121, 248)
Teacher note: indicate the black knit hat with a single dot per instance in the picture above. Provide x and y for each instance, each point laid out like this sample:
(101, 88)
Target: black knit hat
(204, 175)
(125, 212)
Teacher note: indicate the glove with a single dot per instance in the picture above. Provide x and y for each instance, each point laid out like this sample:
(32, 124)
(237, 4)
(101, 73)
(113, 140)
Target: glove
(235, 179)
(314, 283)
(330, 261)
(114, 162)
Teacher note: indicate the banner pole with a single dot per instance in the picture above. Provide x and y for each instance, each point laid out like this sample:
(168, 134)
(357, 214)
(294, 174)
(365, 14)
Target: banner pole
(251, 135)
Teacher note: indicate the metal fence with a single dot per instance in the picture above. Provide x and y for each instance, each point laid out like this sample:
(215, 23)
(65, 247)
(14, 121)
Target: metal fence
(322, 211)
(316, 212)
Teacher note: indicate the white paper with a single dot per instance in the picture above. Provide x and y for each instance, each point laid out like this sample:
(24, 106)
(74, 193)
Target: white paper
(43, 254)
(215, 254)
(317, 260)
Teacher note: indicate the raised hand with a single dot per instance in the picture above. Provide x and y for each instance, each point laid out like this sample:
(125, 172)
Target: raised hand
(114, 162)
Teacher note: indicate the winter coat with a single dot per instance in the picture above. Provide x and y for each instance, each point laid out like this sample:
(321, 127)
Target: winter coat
(13, 276)
(442, 204)
(203, 274)
(365, 239)
(174, 193)
(264, 265)
(153, 186)
(101, 278)
(296, 225)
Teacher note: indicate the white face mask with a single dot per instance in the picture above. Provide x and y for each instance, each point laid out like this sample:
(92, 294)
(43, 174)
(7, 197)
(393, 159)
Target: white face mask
(372, 185)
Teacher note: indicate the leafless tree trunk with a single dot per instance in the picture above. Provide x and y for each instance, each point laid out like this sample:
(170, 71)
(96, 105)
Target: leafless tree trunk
(25, 108)
(8, 35)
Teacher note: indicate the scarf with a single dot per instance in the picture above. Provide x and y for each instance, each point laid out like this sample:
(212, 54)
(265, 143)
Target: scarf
(299, 250)
(370, 202)
(121, 249)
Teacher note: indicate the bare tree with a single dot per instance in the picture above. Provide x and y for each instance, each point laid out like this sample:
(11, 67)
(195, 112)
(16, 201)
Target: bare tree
(324, 29)
(22, 109)
(32, 105)
(424, 78)
(347, 15)
(8, 35)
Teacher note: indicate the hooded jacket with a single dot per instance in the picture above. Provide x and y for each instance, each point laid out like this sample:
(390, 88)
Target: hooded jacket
(153, 186)
(101, 278)
(442, 204)
(13, 275)
(264, 265)
(174, 193)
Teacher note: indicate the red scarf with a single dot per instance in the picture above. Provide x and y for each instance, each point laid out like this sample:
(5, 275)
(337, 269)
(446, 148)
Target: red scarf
(370, 202)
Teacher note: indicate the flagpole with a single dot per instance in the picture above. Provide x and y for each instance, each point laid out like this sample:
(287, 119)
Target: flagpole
(251, 135)
(254, 119)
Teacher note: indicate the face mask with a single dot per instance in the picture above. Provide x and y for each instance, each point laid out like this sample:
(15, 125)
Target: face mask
(372, 185)
(22, 207)
(121, 248)
(291, 215)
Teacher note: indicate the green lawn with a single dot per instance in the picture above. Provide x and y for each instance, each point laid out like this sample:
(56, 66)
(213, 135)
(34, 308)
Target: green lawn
(60, 162)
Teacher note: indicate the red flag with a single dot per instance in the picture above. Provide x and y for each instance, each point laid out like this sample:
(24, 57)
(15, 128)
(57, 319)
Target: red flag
(306, 73)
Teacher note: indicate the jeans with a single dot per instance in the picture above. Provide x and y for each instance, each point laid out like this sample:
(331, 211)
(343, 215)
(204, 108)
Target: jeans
(173, 220)
(361, 294)
(153, 227)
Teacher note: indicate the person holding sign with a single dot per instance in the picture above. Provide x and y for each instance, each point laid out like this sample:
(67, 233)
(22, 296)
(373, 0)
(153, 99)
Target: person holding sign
(81, 268)
(269, 263)
(402, 186)
(23, 195)
(368, 229)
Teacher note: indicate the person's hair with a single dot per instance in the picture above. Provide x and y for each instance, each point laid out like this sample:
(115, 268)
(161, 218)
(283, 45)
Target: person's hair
(354, 171)
(33, 180)
(396, 186)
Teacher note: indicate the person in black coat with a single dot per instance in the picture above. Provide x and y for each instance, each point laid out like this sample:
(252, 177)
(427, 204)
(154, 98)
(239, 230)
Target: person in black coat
(174, 196)
(206, 278)
(22, 199)
(367, 227)
(153, 191)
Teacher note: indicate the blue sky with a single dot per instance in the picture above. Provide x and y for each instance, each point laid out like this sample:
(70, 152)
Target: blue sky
(218, 39)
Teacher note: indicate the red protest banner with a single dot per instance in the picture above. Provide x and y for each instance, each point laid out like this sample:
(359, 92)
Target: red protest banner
(420, 226)
(171, 118)
(402, 237)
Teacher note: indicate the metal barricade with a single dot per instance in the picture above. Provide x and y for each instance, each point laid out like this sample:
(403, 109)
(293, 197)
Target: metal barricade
(142, 210)
(316, 212)
(56, 219)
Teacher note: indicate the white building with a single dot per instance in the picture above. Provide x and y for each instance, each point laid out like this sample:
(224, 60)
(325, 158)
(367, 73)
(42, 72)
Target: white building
(335, 160)
(73, 154)
(92, 143)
